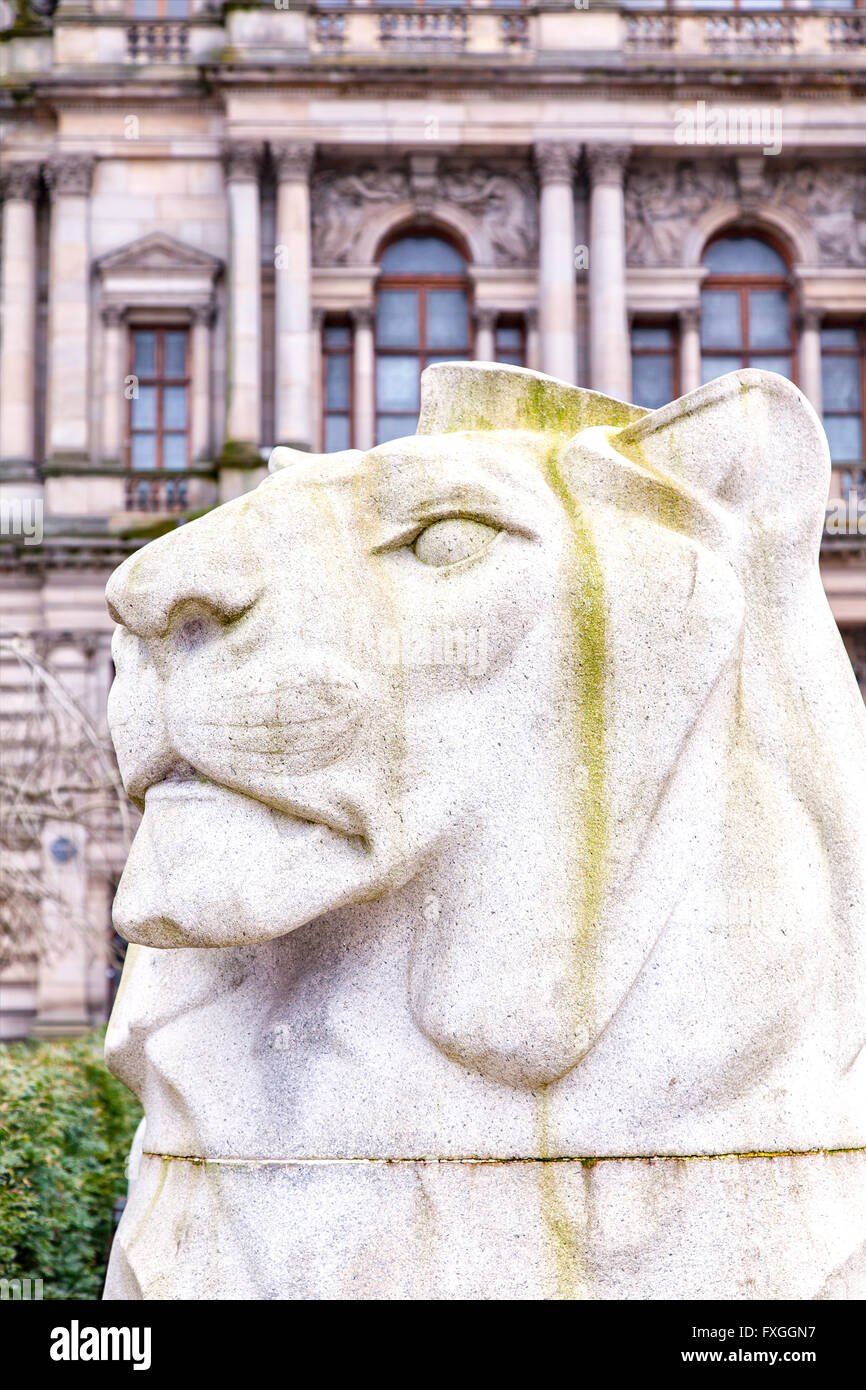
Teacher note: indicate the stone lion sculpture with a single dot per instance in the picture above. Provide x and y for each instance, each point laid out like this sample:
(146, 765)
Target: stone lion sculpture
(499, 898)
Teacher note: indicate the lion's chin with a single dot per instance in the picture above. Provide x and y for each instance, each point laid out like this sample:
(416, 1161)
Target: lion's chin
(211, 867)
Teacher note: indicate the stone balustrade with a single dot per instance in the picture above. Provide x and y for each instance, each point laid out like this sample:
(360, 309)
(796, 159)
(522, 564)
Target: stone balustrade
(467, 32)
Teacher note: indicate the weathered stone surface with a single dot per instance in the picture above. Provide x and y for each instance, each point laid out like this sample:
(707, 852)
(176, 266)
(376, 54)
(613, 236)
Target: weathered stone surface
(519, 774)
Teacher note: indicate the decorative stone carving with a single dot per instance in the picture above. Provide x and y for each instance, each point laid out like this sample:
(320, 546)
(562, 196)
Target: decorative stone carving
(663, 200)
(20, 180)
(833, 200)
(751, 180)
(485, 317)
(423, 181)
(502, 200)
(555, 160)
(607, 163)
(242, 160)
(71, 173)
(342, 201)
(362, 315)
(650, 943)
(505, 205)
(293, 160)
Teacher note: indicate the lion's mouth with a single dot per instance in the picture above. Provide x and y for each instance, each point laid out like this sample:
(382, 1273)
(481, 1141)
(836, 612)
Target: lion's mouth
(186, 784)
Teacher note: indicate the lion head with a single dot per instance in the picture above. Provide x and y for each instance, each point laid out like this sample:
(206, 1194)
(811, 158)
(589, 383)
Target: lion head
(568, 661)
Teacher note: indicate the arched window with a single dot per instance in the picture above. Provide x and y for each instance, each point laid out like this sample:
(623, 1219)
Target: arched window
(746, 308)
(422, 316)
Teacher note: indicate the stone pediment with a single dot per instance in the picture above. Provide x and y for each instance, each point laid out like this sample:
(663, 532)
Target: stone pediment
(160, 253)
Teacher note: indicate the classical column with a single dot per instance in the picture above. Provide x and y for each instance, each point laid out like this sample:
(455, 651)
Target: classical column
(690, 350)
(485, 339)
(18, 308)
(70, 178)
(292, 307)
(244, 376)
(609, 348)
(114, 373)
(364, 385)
(557, 307)
(202, 319)
(810, 357)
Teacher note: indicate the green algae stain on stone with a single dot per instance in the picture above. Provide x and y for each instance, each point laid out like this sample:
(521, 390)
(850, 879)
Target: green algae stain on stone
(589, 625)
(563, 1266)
(464, 396)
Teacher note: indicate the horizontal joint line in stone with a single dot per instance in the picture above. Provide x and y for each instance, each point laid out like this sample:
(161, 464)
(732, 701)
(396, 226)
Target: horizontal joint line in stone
(586, 1160)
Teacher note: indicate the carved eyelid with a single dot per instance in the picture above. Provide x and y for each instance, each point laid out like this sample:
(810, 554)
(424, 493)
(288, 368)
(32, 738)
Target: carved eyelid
(223, 611)
(496, 519)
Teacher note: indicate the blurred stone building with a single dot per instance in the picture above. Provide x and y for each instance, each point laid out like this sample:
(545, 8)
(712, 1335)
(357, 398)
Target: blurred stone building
(229, 226)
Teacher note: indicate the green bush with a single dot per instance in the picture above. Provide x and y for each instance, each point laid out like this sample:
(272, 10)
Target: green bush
(65, 1129)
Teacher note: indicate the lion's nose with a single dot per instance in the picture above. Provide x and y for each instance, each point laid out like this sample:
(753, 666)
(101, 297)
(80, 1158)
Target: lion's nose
(195, 564)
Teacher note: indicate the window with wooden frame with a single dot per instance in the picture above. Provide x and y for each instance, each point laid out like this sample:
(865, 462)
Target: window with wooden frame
(510, 341)
(158, 421)
(337, 359)
(843, 390)
(655, 362)
(422, 317)
(747, 307)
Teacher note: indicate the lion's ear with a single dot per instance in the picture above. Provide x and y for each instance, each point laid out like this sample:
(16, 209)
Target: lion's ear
(751, 443)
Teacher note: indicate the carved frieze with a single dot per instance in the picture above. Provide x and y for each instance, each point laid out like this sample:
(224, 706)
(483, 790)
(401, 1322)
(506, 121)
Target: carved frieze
(832, 199)
(342, 201)
(503, 203)
(664, 200)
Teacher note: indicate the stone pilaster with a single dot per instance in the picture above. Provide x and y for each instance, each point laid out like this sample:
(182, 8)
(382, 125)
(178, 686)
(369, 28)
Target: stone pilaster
(70, 178)
(114, 372)
(242, 163)
(609, 348)
(293, 296)
(20, 186)
(557, 305)
(202, 323)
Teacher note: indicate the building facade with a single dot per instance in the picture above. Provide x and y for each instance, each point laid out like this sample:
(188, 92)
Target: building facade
(225, 227)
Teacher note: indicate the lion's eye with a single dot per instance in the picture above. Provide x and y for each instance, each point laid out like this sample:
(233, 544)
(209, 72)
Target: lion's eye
(198, 629)
(456, 538)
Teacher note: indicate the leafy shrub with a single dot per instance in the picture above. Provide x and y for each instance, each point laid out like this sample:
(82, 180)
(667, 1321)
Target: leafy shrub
(66, 1126)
